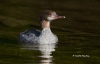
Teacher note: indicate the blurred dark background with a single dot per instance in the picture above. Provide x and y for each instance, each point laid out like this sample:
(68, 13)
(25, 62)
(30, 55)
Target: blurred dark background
(81, 15)
(78, 33)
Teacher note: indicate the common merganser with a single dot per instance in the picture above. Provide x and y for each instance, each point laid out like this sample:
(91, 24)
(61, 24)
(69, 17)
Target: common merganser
(44, 36)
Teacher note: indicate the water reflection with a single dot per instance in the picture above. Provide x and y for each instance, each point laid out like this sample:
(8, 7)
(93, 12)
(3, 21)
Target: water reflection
(45, 49)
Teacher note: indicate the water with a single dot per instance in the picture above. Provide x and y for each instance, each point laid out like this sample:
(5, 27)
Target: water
(72, 48)
(45, 50)
(79, 33)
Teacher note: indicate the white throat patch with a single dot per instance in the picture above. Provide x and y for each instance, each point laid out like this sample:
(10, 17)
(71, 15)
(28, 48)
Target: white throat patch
(50, 18)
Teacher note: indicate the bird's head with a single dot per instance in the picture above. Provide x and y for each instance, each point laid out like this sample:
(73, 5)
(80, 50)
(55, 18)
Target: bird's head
(49, 15)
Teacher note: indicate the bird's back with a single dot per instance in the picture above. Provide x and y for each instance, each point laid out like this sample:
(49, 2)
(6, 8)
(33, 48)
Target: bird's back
(30, 36)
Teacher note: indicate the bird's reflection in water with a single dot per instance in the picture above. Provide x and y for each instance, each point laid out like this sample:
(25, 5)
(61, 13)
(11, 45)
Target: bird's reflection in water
(45, 49)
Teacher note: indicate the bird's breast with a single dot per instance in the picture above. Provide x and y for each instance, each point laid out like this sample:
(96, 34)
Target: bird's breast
(47, 36)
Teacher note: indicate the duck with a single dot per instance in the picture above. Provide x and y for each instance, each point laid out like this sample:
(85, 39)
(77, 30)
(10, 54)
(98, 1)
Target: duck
(45, 35)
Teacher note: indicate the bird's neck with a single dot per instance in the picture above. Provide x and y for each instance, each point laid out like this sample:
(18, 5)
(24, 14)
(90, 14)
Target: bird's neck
(45, 24)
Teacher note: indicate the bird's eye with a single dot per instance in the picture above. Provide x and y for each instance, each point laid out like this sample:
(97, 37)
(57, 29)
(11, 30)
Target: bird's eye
(50, 14)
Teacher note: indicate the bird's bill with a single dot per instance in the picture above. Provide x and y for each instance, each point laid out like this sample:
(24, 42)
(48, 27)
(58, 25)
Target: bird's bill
(58, 17)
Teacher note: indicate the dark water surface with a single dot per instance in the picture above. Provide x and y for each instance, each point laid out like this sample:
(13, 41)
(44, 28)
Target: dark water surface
(72, 48)
(79, 33)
